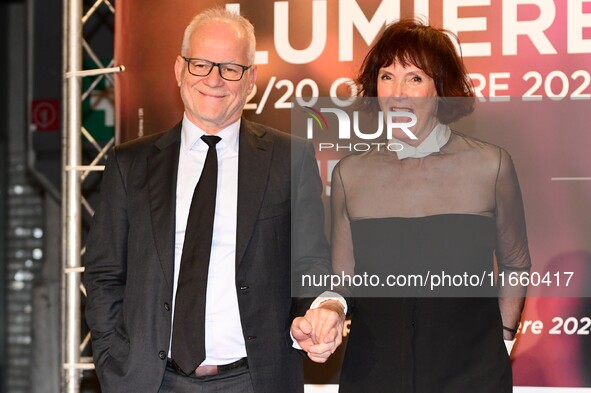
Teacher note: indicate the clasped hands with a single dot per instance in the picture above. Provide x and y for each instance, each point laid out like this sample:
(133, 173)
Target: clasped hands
(320, 331)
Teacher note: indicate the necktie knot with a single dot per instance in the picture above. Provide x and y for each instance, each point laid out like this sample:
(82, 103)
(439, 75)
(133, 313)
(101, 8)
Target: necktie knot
(211, 140)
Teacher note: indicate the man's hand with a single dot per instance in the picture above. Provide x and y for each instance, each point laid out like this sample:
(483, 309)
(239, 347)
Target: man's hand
(320, 331)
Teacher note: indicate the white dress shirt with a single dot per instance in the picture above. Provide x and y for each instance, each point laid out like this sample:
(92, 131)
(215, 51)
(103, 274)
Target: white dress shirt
(224, 340)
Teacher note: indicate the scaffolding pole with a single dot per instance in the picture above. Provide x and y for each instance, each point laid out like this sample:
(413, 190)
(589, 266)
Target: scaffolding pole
(74, 171)
(71, 192)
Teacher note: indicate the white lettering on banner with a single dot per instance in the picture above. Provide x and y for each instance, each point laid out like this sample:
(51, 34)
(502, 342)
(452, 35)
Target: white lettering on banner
(556, 85)
(535, 327)
(260, 57)
(454, 23)
(480, 83)
(352, 88)
(350, 14)
(422, 9)
(495, 86)
(281, 33)
(352, 18)
(534, 29)
(567, 326)
(577, 21)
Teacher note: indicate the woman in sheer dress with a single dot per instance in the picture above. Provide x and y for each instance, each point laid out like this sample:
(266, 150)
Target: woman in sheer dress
(445, 202)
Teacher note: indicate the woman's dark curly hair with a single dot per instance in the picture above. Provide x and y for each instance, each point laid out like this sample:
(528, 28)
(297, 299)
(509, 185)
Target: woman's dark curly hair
(409, 41)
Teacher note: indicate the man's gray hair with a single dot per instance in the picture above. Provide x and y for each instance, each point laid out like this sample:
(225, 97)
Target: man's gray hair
(219, 13)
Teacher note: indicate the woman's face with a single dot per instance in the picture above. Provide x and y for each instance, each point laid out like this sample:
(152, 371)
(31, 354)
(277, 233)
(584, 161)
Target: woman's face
(408, 89)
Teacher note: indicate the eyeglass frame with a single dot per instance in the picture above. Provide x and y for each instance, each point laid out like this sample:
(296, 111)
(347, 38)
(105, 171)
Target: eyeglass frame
(213, 65)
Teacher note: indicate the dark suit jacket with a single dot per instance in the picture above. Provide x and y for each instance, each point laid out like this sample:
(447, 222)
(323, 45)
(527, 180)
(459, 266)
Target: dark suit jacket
(129, 258)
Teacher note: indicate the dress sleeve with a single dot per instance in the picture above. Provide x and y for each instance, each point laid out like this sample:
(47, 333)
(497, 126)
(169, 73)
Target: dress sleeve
(512, 250)
(343, 258)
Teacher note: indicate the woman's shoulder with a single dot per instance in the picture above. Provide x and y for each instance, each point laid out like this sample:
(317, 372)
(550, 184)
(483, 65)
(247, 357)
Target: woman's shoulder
(356, 166)
(348, 164)
(479, 154)
(469, 145)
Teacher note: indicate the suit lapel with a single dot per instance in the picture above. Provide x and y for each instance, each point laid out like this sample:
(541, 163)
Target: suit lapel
(254, 164)
(162, 175)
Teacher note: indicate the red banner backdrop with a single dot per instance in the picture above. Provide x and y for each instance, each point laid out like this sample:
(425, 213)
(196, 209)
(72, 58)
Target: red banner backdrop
(531, 66)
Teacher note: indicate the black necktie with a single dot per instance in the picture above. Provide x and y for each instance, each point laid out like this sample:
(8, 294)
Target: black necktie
(188, 334)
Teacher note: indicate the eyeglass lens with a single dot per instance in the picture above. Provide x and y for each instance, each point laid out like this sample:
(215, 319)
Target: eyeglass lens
(228, 71)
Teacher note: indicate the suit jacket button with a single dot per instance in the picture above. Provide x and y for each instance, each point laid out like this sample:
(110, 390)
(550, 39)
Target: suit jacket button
(167, 306)
(162, 355)
(251, 337)
(243, 288)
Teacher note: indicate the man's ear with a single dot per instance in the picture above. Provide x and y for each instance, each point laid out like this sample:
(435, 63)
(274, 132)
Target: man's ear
(179, 67)
(253, 77)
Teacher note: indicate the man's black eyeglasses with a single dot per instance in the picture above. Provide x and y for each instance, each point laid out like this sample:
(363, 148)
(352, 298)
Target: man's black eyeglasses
(228, 71)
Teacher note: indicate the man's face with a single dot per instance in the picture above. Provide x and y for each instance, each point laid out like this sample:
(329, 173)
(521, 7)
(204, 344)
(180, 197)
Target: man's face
(212, 103)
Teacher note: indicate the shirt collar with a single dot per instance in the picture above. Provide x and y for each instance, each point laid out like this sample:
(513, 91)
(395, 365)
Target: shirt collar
(191, 136)
(433, 143)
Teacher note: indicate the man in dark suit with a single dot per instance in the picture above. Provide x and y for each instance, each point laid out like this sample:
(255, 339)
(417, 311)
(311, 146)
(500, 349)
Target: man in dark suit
(267, 199)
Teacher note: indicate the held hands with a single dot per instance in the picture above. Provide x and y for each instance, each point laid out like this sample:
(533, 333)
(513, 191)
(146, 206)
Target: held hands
(320, 331)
